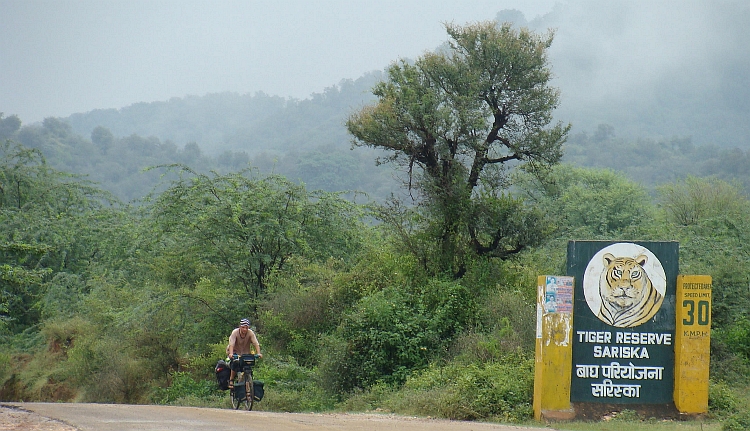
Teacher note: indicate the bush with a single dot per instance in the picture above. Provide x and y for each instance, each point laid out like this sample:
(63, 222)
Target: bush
(727, 364)
(739, 421)
(497, 391)
(737, 335)
(722, 399)
(367, 400)
(6, 371)
(394, 332)
(290, 387)
(183, 385)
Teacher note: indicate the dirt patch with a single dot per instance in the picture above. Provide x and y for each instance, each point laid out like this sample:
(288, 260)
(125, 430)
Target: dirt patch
(17, 419)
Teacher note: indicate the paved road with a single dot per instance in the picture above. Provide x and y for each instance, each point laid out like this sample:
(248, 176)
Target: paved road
(118, 417)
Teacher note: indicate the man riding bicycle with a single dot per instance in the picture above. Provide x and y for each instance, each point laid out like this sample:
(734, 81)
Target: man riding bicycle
(239, 344)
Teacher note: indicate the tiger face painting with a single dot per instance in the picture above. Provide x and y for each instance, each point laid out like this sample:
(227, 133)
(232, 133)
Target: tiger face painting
(628, 297)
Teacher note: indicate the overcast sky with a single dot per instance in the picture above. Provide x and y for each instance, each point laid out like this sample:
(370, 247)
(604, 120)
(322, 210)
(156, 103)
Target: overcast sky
(59, 57)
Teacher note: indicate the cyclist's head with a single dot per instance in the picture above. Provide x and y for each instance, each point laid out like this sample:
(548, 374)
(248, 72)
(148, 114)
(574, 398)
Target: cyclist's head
(245, 322)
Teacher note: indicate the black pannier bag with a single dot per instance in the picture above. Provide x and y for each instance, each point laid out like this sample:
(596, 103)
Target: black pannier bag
(258, 390)
(238, 364)
(222, 375)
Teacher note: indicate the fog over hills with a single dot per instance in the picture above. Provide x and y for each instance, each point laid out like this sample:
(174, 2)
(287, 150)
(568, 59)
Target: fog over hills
(650, 69)
(654, 69)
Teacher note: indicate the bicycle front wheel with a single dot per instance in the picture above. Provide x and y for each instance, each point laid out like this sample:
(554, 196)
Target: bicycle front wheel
(234, 396)
(249, 391)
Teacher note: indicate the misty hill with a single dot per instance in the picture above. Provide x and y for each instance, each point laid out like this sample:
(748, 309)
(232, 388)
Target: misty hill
(306, 142)
(653, 70)
(657, 120)
(229, 121)
(648, 71)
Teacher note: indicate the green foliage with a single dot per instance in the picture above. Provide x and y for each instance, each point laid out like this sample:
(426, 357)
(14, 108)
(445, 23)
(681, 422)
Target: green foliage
(392, 332)
(500, 391)
(695, 199)
(94, 363)
(63, 296)
(6, 369)
(506, 326)
(456, 121)
(655, 162)
(9, 126)
(731, 404)
(183, 385)
(384, 339)
(247, 228)
(737, 335)
(108, 303)
(627, 416)
(722, 399)
(714, 235)
(291, 387)
(591, 203)
(730, 355)
(739, 421)
(303, 305)
(373, 398)
(47, 224)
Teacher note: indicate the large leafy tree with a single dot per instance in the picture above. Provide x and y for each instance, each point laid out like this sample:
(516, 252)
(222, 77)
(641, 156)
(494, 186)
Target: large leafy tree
(459, 121)
(48, 220)
(240, 228)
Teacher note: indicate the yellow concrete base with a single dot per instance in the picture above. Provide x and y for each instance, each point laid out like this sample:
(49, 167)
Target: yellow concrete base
(558, 415)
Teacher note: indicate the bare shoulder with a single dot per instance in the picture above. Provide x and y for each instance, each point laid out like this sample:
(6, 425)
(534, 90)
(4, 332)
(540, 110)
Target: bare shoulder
(20, 419)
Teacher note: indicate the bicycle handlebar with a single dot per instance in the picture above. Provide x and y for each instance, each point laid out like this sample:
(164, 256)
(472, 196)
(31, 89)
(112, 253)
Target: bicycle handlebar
(236, 356)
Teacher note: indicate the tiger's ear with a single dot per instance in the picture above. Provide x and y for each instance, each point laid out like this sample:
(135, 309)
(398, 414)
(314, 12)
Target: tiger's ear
(641, 260)
(608, 258)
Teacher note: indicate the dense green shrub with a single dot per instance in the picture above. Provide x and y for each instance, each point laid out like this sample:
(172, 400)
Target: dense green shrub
(386, 337)
(291, 387)
(183, 385)
(499, 391)
(739, 421)
(393, 332)
(737, 335)
(722, 399)
(300, 306)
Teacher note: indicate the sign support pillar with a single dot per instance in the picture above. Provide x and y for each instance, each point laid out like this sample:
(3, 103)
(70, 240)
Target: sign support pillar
(692, 343)
(553, 354)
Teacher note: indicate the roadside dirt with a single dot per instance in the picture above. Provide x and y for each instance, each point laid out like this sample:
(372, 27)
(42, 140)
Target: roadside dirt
(117, 417)
(16, 419)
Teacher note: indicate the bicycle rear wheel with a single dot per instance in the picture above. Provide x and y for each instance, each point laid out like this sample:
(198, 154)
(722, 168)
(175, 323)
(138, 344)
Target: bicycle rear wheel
(239, 393)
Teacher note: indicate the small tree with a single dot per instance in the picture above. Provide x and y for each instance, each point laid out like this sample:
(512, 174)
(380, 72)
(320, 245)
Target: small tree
(459, 121)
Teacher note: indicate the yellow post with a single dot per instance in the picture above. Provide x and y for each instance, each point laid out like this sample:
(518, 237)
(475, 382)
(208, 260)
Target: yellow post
(554, 351)
(692, 343)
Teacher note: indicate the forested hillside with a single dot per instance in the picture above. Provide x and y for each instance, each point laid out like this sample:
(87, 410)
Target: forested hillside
(357, 306)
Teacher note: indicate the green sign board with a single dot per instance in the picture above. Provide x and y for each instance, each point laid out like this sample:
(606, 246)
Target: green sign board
(624, 321)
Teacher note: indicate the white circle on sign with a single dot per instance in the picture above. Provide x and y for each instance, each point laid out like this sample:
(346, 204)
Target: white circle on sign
(595, 273)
